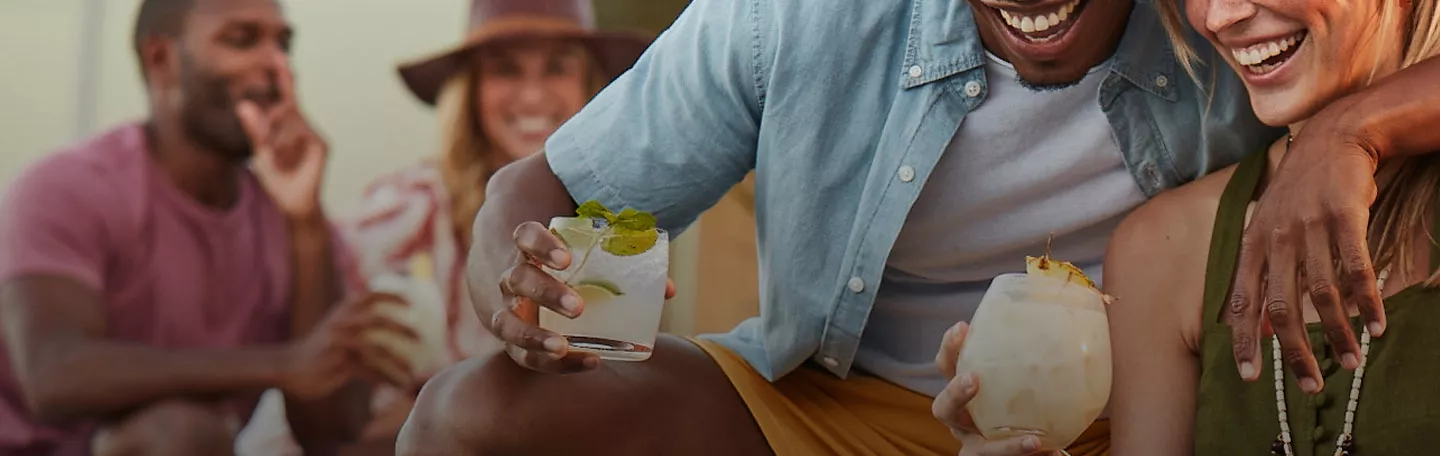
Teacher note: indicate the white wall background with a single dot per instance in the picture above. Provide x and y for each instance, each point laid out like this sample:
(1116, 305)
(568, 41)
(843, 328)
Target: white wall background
(68, 72)
(39, 43)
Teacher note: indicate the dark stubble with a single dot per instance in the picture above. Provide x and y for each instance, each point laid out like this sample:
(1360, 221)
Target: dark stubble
(208, 113)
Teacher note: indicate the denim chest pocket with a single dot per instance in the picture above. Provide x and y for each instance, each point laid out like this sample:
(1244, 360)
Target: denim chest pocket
(1139, 122)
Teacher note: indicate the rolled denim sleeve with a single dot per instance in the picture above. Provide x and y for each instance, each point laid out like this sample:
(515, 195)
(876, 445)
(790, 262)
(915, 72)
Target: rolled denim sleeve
(676, 132)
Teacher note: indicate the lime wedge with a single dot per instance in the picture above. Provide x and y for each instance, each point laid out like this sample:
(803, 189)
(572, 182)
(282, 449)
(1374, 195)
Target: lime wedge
(602, 284)
(575, 232)
(597, 291)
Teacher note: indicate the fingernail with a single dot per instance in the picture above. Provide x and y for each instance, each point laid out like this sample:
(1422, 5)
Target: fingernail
(1309, 385)
(1247, 370)
(571, 303)
(1375, 328)
(1032, 443)
(1350, 361)
(591, 362)
(554, 344)
(557, 256)
(967, 383)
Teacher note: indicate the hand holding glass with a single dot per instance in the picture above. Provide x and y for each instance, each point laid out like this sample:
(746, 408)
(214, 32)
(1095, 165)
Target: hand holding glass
(618, 266)
(1039, 347)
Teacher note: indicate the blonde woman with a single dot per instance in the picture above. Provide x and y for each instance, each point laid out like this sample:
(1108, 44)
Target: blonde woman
(1178, 389)
(524, 67)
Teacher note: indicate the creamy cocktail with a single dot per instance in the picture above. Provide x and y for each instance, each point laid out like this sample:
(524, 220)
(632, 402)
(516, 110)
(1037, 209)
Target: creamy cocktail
(1039, 346)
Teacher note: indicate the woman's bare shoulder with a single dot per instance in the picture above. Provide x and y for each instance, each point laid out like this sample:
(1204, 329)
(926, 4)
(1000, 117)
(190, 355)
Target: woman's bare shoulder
(1175, 222)
(1158, 255)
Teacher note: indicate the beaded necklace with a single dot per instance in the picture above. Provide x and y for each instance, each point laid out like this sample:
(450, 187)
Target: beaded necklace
(1345, 443)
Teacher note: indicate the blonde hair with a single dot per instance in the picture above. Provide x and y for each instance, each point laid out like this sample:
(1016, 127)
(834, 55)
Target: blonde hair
(467, 157)
(1173, 19)
(1408, 201)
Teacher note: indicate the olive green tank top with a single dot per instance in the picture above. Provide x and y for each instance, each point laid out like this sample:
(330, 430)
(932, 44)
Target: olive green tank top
(1399, 407)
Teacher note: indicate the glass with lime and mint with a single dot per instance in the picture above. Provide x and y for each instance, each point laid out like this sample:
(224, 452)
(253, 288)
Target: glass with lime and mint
(619, 262)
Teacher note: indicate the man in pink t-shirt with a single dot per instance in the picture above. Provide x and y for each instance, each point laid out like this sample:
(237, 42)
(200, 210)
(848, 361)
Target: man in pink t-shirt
(152, 286)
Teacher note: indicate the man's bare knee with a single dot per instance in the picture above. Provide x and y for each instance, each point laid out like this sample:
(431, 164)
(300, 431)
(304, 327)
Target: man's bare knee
(166, 428)
(493, 406)
(458, 410)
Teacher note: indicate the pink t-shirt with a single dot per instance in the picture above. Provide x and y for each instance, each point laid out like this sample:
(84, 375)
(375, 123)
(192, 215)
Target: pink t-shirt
(173, 273)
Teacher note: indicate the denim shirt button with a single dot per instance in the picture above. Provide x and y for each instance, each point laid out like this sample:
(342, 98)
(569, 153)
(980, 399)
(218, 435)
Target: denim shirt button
(1161, 81)
(906, 173)
(1154, 176)
(972, 89)
(916, 71)
(830, 361)
(856, 284)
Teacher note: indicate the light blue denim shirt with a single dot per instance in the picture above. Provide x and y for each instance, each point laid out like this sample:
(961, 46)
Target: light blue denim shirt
(842, 108)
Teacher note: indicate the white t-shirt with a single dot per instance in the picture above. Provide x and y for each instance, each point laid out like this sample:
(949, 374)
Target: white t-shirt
(1023, 165)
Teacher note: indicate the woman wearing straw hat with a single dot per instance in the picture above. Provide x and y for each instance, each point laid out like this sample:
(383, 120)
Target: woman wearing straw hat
(523, 68)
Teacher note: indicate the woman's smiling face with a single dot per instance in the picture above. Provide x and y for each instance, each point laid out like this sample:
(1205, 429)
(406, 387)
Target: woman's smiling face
(526, 89)
(1296, 56)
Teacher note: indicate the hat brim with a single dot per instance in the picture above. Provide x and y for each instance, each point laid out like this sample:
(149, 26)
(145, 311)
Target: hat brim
(615, 52)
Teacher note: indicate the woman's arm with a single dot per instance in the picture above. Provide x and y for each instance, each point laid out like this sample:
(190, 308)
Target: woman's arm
(1155, 269)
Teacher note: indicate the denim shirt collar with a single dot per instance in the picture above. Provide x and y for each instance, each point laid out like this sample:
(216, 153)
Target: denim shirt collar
(944, 40)
(1145, 56)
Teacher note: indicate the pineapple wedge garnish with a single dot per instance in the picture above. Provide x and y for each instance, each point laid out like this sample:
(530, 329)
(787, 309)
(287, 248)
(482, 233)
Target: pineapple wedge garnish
(1063, 270)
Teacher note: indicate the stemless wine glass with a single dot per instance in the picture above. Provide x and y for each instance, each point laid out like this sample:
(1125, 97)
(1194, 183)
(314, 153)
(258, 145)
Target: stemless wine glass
(624, 296)
(1039, 348)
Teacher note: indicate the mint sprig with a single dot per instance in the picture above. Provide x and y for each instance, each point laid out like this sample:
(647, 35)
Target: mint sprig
(594, 210)
(628, 233)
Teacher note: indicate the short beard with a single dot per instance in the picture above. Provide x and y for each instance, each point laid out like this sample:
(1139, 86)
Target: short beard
(1043, 88)
(208, 114)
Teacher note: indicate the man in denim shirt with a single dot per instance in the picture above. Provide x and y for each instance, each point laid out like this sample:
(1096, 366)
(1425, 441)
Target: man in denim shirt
(905, 152)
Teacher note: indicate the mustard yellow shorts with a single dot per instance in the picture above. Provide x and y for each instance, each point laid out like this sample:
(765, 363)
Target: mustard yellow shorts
(810, 412)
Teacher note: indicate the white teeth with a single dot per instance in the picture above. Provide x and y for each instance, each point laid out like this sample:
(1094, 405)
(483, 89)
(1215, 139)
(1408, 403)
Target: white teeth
(1257, 53)
(1039, 22)
(533, 124)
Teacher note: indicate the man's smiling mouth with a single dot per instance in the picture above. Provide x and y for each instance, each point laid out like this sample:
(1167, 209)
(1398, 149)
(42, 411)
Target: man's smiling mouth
(1040, 25)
